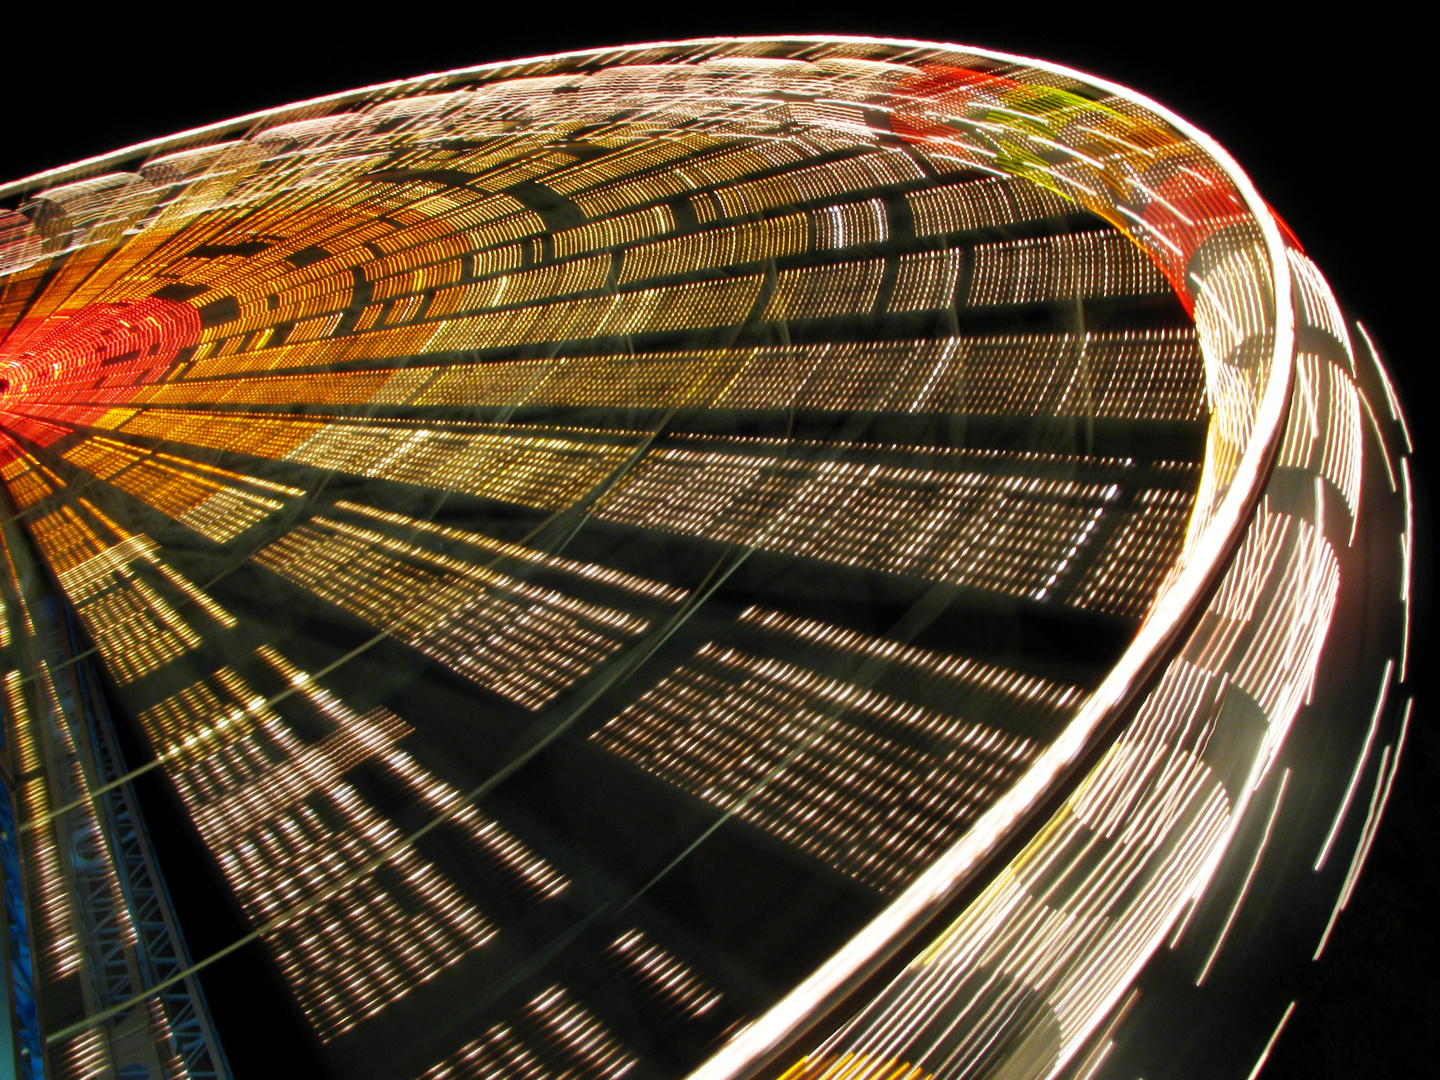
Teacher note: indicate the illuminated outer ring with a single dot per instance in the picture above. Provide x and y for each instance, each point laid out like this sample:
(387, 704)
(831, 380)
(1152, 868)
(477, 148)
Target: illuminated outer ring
(1203, 556)
(1230, 491)
(1168, 615)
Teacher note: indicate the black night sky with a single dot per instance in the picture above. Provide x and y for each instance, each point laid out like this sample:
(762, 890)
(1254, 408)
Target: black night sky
(1328, 119)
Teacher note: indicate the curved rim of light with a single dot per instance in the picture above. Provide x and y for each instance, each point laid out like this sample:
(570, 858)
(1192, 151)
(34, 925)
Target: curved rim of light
(937, 884)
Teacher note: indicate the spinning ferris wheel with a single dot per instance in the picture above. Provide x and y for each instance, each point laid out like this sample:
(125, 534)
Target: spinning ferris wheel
(818, 558)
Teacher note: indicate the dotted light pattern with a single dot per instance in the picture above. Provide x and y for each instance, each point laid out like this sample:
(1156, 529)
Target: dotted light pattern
(273, 808)
(663, 975)
(822, 764)
(572, 1042)
(1008, 535)
(524, 643)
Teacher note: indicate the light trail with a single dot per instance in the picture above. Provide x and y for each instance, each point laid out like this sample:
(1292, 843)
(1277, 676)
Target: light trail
(1245, 884)
(1358, 858)
(1379, 440)
(1392, 399)
(1407, 547)
(1359, 768)
(1270, 1044)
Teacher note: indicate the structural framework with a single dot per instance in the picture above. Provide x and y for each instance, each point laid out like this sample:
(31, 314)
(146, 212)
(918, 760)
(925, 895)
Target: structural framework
(825, 558)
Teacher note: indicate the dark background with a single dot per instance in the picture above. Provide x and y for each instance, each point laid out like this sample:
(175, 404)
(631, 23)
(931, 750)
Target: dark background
(1331, 120)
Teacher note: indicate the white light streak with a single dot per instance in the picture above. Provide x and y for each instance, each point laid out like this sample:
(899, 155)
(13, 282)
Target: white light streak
(1362, 848)
(1270, 1045)
(1408, 541)
(1245, 885)
(1359, 768)
(1404, 730)
(1184, 923)
(1390, 397)
(1091, 1065)
(1407, 548)
(1379, 438)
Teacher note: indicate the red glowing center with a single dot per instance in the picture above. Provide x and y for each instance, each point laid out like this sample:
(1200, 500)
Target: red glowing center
(100, 345)
(99, 354)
